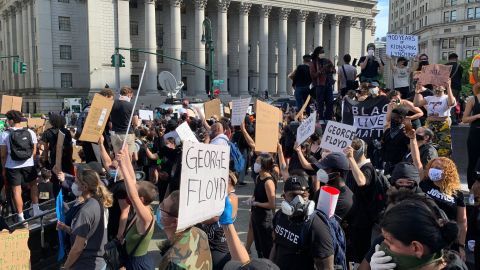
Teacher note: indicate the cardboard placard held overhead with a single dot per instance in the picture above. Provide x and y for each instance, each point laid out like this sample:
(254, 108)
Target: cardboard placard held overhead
(239, 110)
(435, 74)
(11, 103)
(185, 133)
(59, 152)
(203, 183)
(212, 108)
(307, 128)
(307, 102)
(14, 251)
(266, 127)
(402, 45)
(96, 119)
(145, 115)
(337, 136)
(35, 122)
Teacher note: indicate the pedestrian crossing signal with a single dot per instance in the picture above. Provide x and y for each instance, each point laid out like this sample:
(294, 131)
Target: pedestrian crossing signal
(118, 60)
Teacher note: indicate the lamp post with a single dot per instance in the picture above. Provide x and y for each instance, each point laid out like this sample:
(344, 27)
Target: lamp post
(207, 40)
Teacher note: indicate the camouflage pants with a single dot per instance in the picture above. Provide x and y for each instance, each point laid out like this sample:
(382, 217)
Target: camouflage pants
(443, 136)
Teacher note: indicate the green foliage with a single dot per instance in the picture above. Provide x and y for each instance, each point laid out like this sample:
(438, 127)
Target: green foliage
(466, 87)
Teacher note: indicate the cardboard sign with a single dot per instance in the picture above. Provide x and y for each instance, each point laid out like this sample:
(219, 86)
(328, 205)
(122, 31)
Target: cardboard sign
(402, 45)
(307, 128)
(435, 74)
(185, 133)
(59, 152)
(76, 154)
(14, 251)
(337, 136)
(240, 108)
(11, 103)
(145, 115)
(266, 128)
(212, 108)
(35, 122)
(227, 112)
(203, 183)
(307, 102)
(96, 119)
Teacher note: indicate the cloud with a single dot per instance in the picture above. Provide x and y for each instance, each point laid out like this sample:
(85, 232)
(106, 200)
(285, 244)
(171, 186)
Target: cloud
(381, 20)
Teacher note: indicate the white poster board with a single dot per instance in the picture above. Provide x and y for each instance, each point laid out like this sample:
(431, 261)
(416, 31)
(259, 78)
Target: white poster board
(239, 108)
(307, 128)
(402, 45)
(145, 115)
(203, 183)
(337, 136)
(185, 133)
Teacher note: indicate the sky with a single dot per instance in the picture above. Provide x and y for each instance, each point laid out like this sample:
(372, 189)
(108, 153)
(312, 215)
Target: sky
(381, 20)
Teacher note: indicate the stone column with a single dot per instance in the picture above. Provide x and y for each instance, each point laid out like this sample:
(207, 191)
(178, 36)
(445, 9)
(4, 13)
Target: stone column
(334, 35)
(19, 51)
(124, 42)
(318, 29)
(264, 14)
(301, 18)
(6, 45)
(243, 48)
(222, 44)
(350, 23)
(150, 80)
(26, 51)
(44, 44)
(176, 38)
(11, 45)
(199, 49)
(459, 47)
(31, 67)
(367, 24)
(282, 51)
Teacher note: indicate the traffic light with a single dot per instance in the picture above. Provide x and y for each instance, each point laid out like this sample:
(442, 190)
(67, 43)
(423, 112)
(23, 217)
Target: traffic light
(23, 68)
(114, 60)
(16, 66)
(122, 60)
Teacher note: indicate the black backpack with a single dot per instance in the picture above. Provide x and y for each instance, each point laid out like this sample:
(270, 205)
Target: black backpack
(21, 144)
(381, 186)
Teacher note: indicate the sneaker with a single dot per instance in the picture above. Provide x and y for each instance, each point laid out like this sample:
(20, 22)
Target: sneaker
(37, 212)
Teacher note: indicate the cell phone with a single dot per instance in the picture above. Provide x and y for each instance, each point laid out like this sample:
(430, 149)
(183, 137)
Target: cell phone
(408, 125)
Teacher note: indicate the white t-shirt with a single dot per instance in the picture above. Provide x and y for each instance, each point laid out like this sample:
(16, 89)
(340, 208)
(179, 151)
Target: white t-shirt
(401, 77)
(438, 106)
(13, 164)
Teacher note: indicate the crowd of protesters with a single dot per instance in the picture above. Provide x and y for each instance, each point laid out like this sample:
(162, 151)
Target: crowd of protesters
(400, 206)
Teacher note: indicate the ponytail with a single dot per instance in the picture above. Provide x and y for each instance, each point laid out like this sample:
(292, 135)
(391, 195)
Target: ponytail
(104, 196)
(96, 187)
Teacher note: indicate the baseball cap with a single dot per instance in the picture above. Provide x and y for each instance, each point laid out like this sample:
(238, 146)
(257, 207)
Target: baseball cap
(405, 170)
(296, 183)
(373, 85)
(97, 167)
(254, 264)
(334, 160)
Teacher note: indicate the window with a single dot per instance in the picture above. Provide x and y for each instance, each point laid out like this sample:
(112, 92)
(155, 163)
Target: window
(446, 16)
(184, 56)
(159, 35)
(134, 56)
(159, 57)
(63, 23)
(477, 13)
(470, 13)
(66, 80)
(184, 32)
(425, 22)
(444, 43)
(468, 53)
(133, 28)
(444, 55)
(453, 15)
(133, 4)
(453, 2)
(64, 1)
(135, 80)
(65, 52)
(469, 41)
(451, 43)
(476, 41)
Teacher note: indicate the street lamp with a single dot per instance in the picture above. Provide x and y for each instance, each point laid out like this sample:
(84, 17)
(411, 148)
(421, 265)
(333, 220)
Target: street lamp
(208, 40)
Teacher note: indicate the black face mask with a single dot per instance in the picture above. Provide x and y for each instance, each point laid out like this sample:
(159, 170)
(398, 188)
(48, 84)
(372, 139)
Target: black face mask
(424, 62)
(420, 137)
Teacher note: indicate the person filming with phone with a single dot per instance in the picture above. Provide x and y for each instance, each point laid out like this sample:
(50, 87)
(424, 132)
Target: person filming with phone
(394, 141)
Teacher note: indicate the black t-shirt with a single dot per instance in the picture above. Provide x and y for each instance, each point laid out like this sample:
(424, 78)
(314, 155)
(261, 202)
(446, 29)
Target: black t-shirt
(363, 197)
(456, 75)
(120, 116)
(297, 250)
(447, 203)
(50, 136)
(302, 76)
(394, 149)
(371, 70)
(119, 192)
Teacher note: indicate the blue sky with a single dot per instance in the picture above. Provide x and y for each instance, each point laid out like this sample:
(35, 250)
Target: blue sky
(381, 20)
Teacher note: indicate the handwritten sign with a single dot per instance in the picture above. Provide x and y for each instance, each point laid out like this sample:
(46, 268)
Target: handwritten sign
(96, 119)
(307, 128)
(145, 115)
(402, 45)
(435, 74)
(240, 108)
(337, 136)
(14, 251)
(300, 113)
(212, 108)
(185, 133)
(266, 127)
(203, 183)
(59, 152)
(11, 103)
(35, 122)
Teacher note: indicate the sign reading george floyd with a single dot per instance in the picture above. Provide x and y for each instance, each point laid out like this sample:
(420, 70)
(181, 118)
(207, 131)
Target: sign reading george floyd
(402, 45)
(96, 119)
(11, 103)
(203, 182)
(337, 136)
(307, 128)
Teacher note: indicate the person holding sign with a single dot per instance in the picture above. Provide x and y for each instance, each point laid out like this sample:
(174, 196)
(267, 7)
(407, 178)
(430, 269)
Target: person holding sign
(401, 76)
(438, 115)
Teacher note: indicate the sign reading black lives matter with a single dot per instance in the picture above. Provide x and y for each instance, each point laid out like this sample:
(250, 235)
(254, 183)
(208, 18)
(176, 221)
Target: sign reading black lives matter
(402, 45)
(203, 184)
(337, 136)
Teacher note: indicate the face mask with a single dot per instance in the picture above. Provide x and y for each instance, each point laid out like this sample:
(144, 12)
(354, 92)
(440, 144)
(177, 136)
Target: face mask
(159, 219)
(435, 174)
(257, 167)
(371, 52)
(420, 137)
(405, 262)
(374, 91)
(298, 207)
(75, 190)
(112, 173)
(424, 62)
(359, 153)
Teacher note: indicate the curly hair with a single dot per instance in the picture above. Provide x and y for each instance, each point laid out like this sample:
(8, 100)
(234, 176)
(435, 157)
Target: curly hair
(450, 179)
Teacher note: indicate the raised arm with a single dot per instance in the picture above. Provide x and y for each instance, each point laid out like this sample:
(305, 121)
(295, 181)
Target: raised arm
(451, 98)
(106, 160)
(419, 101)
(305, 164)
(416, 110)
(281, 162)
(467, 115)
(415, 152)
(202, 117)
(357, 173)
(247, 137)
(237, 249)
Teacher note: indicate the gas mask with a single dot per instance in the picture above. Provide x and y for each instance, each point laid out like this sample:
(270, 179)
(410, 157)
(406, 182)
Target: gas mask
(406, 262)
(298, 207)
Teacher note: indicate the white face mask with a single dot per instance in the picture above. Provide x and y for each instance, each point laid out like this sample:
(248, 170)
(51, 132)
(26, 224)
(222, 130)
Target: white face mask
(371, 52)
(257, 167)
(435, 174)
(75, 190)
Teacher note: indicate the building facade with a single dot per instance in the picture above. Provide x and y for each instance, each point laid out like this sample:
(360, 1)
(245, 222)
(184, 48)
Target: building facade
(443, 26)
(67, 44)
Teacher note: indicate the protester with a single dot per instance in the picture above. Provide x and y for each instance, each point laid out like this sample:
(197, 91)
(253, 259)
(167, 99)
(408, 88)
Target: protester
(401, 77)
(321, 72)
(120, 117)
(472, 116)
(438, 116)
(456, 78)
(474, 70)
(18, 146)
(301, 81)
(414, 113)
(347, 75)
(394, 141)
(371, 66)
(428, 152)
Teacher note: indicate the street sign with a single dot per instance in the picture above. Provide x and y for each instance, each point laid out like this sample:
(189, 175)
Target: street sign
(218, 82)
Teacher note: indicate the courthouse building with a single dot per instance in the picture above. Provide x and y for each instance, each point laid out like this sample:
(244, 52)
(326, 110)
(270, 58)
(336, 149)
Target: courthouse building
(67, 44)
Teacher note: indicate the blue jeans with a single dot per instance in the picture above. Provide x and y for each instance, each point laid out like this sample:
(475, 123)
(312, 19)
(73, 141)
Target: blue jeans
(324, 102)
(301, 95)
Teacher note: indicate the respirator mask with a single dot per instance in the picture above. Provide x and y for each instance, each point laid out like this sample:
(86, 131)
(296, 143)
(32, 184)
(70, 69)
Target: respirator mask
(298, 207)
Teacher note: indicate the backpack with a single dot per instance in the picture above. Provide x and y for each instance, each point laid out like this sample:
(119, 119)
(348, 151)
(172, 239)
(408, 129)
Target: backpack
(379, 202)
(21, 144)
(338, 240)
(236, 156)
